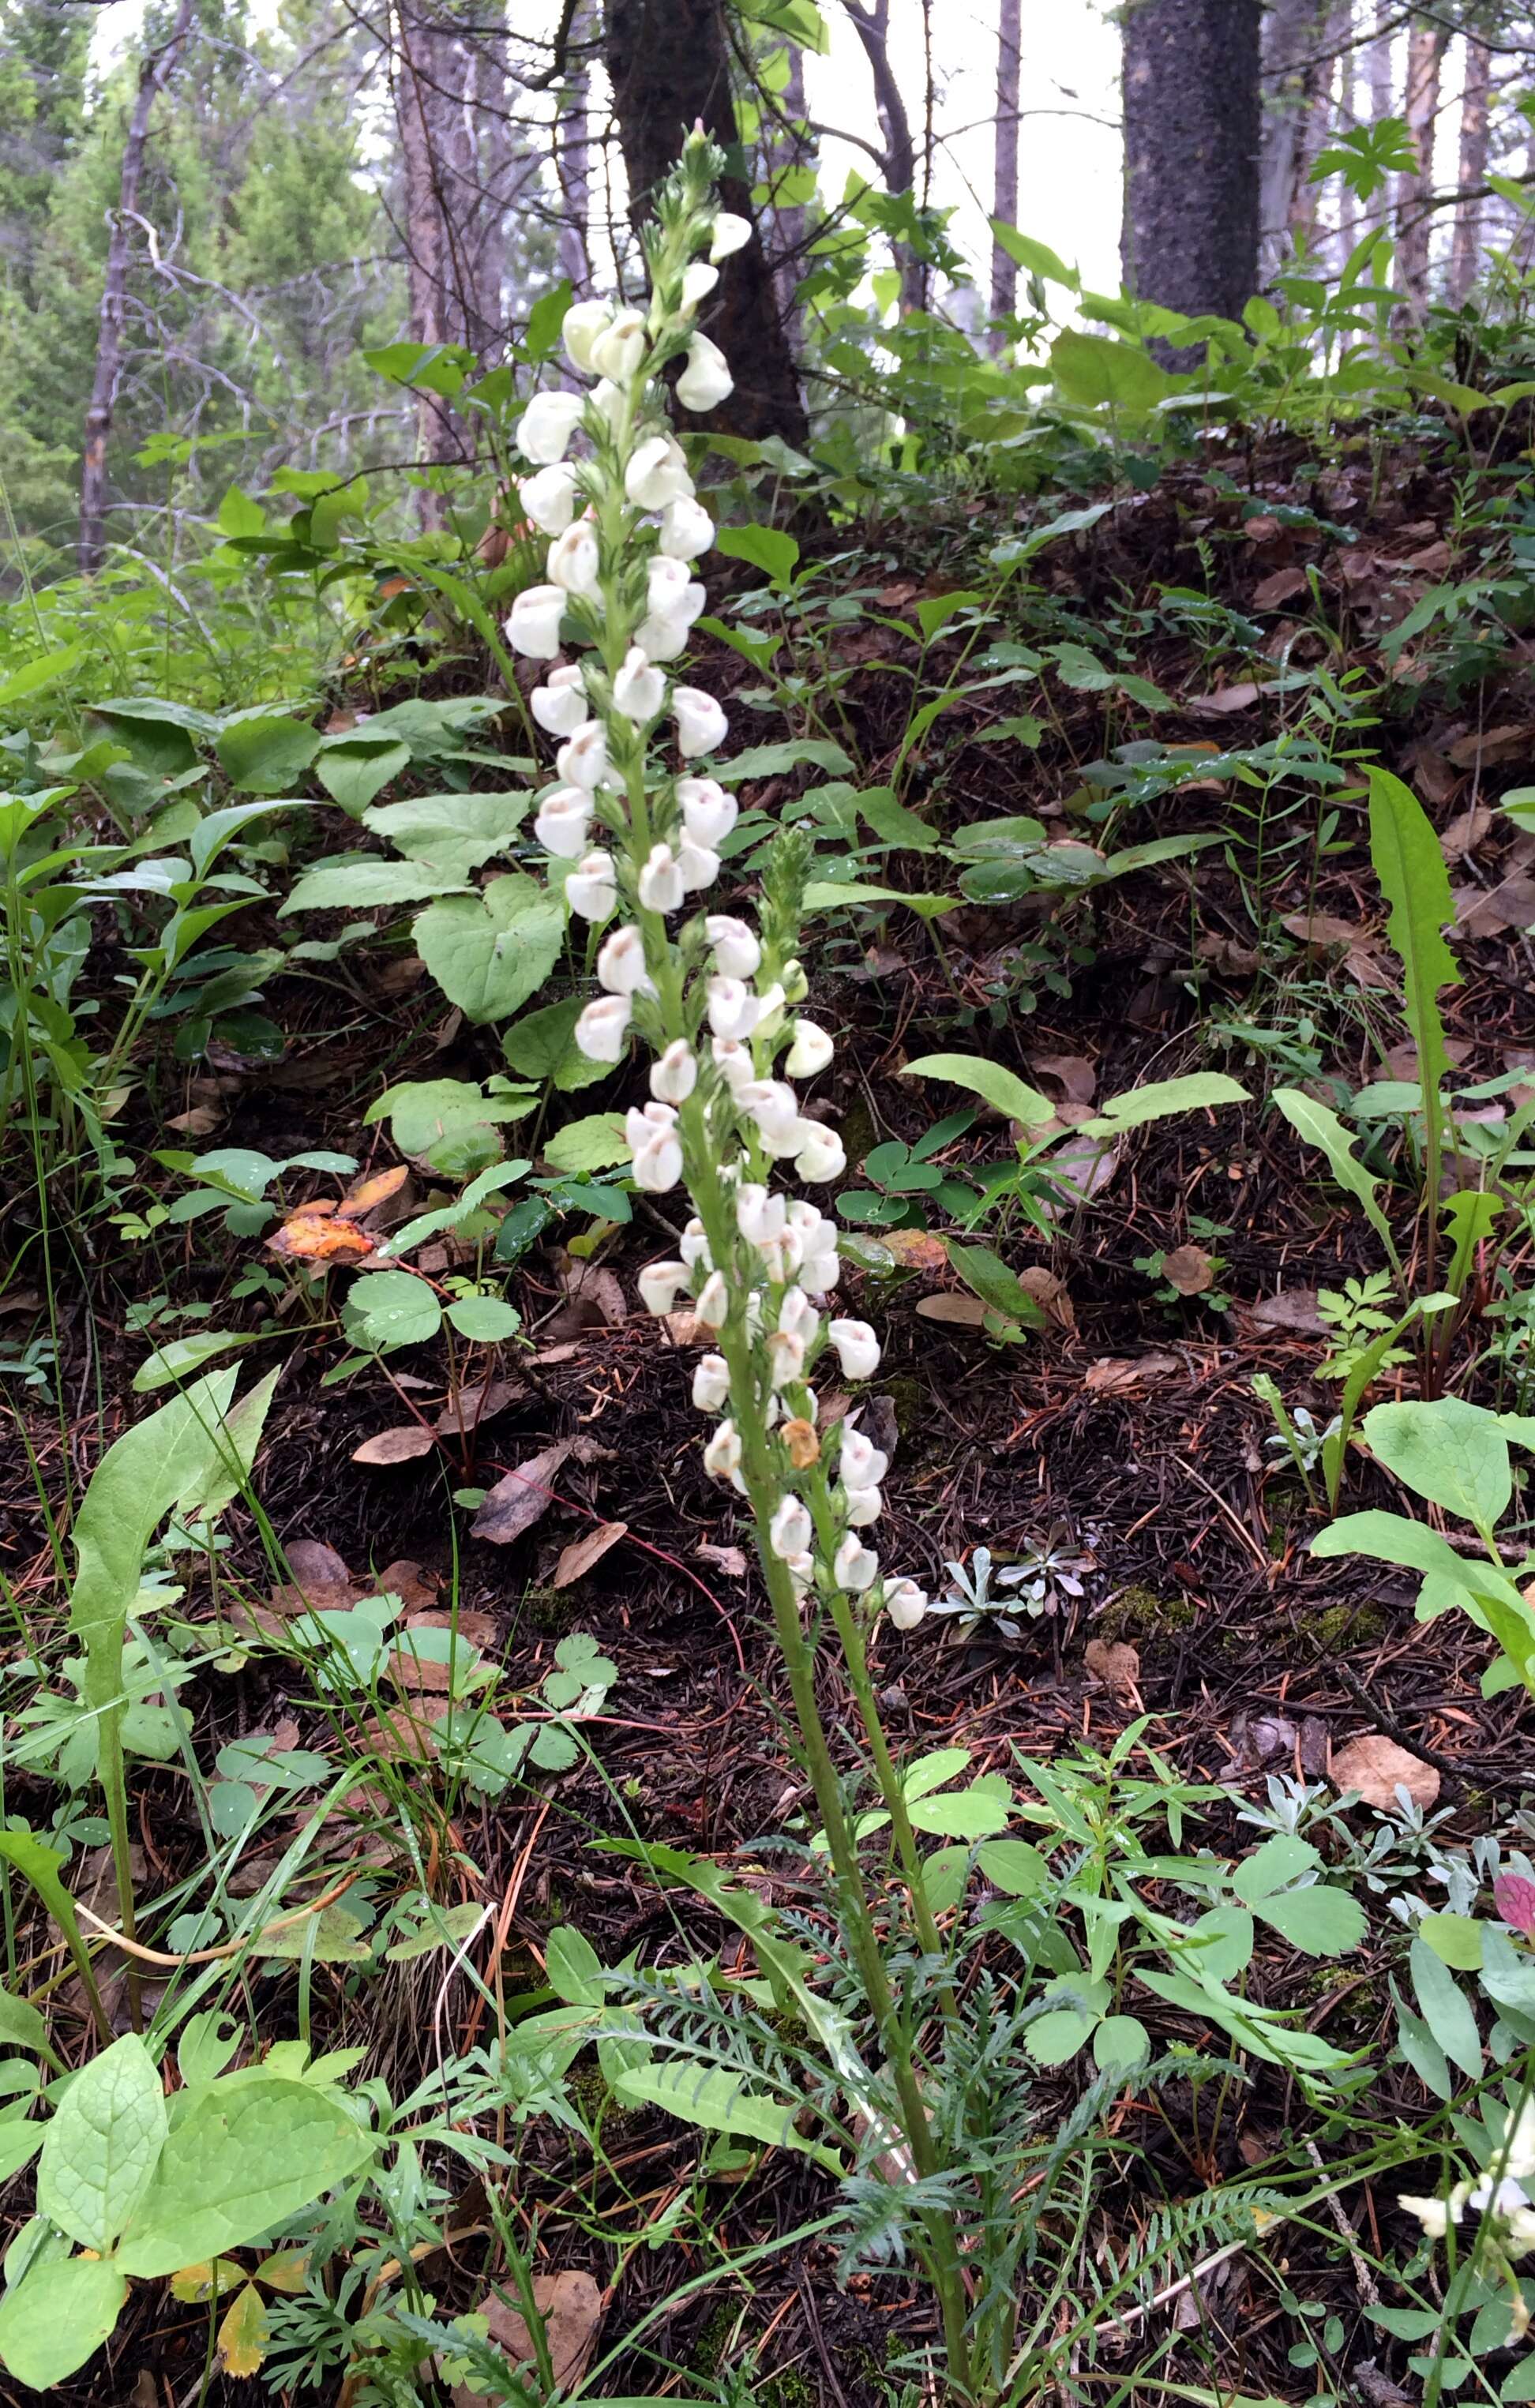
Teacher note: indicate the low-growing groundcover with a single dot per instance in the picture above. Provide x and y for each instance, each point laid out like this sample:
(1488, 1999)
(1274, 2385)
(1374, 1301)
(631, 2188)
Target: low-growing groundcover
(458, 1944)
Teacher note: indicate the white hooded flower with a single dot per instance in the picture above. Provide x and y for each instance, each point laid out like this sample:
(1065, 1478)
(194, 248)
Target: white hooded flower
(737, 952)
(713, 1305)
(660, 1285)
(708, 813)
(721, 1456)
(641, 1121)
(791, 1530)
(668, 586)
(1432, 2213)
(674, 1073)
(687, 530)
(563, 818)
(590, 889)
(731, 233)
(549, 498)
(660, 885)
(698, 868)
(640, 690)
(773, 1105)
(695, 1246)
(602, 1030)
(733, 1008)
(858, 1348)
(657, 1165)
(810, 1051)
(860, 1462)
(711, 1383)
(620, 347)
(543, 432)
(785, 1358)
(658, 475)
(582, 759)
(532, 626)
(607, 401)
(796, 1313)
(822, 1155)
(701, 724)
(559, 705)
(705, 380)
(906, 1604)
(699, 282)
(575, 562)
(863, 1506)
(621, 962)
(855, 1565)
(733, 1062)
(583, 322)
(759, 1216)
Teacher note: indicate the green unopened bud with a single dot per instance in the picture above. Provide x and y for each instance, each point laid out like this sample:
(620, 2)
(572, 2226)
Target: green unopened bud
(796, 985)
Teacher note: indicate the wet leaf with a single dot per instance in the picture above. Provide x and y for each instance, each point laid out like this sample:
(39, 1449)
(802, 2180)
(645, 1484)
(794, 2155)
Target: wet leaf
(368, 1194)
(313, 1236)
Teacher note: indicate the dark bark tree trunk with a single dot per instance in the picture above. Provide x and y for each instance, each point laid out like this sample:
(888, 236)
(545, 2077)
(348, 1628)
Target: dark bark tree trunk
(669, 61)
(1004, 202)
(449, 75)
(1466, 257)
(158, 67)
(871, 22)
(1190, 238)
(1414, 187)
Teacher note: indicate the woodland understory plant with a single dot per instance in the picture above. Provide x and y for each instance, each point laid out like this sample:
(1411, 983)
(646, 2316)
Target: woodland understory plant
(633, 845)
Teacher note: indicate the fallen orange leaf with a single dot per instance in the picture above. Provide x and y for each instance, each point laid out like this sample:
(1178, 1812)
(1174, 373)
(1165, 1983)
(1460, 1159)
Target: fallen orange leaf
(315, 1236)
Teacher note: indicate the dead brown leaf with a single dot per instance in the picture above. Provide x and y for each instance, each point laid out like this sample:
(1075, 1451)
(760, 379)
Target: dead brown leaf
(320, 1583)
(960, 1311)
(728, 1560)
(1189, 1269)
(1049, 1293)
(1492, 744)
(1073, 1071)
(404, 1578)
(520, 1496)
(577, 1559)
(1488, 912)
(1228, 699)
(1228, 957)
(572, 2308)
(1294, 1309)
(368, 1194)
(1376, 1767)
(1465, 831)
(1116, 1664)
(1119, 1375)
(480, 1402)
(401, 1445)
(318, 1234)
(1281, 586)
(201, 1121)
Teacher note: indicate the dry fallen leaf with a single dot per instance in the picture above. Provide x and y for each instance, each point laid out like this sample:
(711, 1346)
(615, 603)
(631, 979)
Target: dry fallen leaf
(1227, 956)
(520, 1496)
(1189, 1269)
(577, 1559)
(916, 1250)
(1281, 586)
(1293, 1309)
(404, 1578)
(962, 1311)
(201, 1121)
(1049, 1293)
(572, 2309)
(1491, 744)
(319, 1234)
(320, 1583)
(1488, 912)
(477, 1403)
(1073, 1071)
(1231, 697)
(1116, 1664)
(729, 1560)
(1466, 832)
(1376, 1767)
(368, 1194)
(1117, 1375)
(401, 1445)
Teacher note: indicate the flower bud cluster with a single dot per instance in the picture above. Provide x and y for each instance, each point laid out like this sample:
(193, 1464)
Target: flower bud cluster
(1502, 2196)
(637, 845)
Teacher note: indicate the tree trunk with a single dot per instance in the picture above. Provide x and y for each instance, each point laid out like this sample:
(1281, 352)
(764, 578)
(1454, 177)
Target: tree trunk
(573, 166)
(449, 77)
(1190, 238)
(789, 233)
(1380, 73)
(1004, 204)
(1414, 186)
(1466, 257)
(1348, 111)
(158, 67)
(1289, 42)
(670, 66)
(871, 24)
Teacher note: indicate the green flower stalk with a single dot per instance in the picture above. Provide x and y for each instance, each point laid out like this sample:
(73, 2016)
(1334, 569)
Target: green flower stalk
(634, 829)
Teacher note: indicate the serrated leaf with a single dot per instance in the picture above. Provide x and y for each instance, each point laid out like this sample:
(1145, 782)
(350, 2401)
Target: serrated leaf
(1317, 1124)
(245, 2160)
(102, 2145)
(489, 953)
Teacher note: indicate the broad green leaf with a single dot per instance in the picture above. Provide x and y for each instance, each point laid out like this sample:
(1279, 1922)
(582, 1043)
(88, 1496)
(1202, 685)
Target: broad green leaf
(1053, 2038)
(1445, 2008)
(57, 2316)
(1455, 1938)
(368, 885)
(594, 1143)
(763, 547)
(930, 1771)
(1095, 371)
(1320, 1921)
(452, 835)
(943, 1877)
(451, 1127)
(1035, 258)
(990, 1081)
(1120, 2044)
(542, 1045)
(103, 2145)
(23, 2026)
(352, 768)
(1421, 2050)
(935, 611)
(574, 1968)
(828, 895)
(388, 1308)
(40, 673)
(17, 2143)
(772, 760)
(180, 1357)
(244, 2159)
(1450, 1451)
(1220, 1943)
(489, 953)
(988, 1277)
(1410, 864)
(1279, 1861)
(484, 1320)
(41, 1866)
(973, 1814)
(264, 752)
(891, 822)
(1014, 1866)
(719, 2101)
(1201, 1091)
(1392, 1539)
(1319, 1125)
